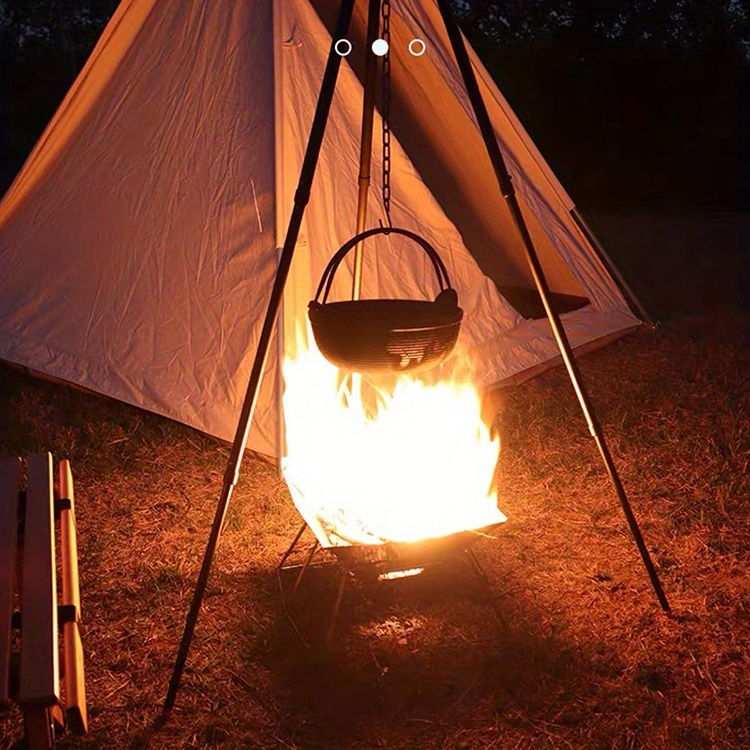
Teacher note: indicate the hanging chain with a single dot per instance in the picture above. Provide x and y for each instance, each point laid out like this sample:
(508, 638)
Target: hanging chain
(386, 112)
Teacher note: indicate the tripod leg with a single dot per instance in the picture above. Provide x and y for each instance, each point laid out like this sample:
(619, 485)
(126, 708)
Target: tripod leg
(333, 621)
(305, 566)
(566, 351)
(301, 198)
(485, 581)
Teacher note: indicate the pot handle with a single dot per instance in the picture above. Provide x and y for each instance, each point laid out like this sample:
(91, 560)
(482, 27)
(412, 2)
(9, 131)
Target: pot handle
(327, 279)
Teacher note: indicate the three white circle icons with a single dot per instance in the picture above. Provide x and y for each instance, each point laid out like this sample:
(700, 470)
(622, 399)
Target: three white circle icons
(417, 47)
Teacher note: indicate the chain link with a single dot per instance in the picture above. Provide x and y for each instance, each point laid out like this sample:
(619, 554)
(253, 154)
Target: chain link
(386, 112)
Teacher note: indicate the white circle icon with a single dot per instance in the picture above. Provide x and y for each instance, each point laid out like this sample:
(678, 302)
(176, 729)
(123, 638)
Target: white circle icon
(343, 47)
(417, 47)
(380, 47)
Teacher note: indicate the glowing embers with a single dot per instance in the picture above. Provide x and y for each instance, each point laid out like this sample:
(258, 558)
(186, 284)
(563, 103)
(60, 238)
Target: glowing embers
(394, 575)
(371, 465)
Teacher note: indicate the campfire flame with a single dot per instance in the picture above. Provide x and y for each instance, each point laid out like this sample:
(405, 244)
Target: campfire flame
(368, 465)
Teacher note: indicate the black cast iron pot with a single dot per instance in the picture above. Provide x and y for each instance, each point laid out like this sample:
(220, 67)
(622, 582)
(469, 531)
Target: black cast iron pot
(386, 335)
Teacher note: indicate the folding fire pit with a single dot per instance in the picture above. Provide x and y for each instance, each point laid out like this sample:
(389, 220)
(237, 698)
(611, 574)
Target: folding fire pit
(370, 562)
(389, 559)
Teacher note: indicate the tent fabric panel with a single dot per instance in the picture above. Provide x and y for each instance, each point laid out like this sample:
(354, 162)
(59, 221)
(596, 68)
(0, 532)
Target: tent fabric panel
(75, 107)
(532, 344)
(471, 198)
(140, 265)
(103, 379)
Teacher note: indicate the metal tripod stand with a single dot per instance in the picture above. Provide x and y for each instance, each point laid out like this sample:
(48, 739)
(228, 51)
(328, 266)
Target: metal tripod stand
(301, 199)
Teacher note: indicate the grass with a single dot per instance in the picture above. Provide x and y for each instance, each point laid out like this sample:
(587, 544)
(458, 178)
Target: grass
(579, 654)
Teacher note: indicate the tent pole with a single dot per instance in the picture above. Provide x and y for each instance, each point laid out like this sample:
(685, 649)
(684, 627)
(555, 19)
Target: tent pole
(633, 300)
(301, 198)
(566, 351)
(365, 153)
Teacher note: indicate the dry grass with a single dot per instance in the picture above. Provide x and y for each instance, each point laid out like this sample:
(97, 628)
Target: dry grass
(581, 655)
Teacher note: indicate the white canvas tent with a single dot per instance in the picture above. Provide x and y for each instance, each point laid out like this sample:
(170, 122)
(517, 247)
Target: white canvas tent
(139, 242)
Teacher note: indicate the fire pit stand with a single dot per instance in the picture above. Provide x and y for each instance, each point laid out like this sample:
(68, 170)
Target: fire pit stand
(373, 562)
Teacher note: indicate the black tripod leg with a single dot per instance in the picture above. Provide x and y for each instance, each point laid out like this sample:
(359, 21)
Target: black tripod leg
(566, 351)
(301, 198)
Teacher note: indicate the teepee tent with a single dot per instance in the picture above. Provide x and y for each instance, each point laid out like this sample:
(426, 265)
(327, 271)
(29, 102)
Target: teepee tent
(139, 242)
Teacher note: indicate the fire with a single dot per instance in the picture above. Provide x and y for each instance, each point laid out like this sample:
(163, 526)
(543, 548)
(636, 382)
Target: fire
(367, 465)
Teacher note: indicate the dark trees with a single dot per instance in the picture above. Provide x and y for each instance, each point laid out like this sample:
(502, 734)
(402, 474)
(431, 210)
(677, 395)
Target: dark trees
(636, 104)
(43, 45)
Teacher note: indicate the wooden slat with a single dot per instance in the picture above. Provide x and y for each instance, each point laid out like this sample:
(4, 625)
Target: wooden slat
(40, 675)
(75, 685)
(9, 468)
(39, 728)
